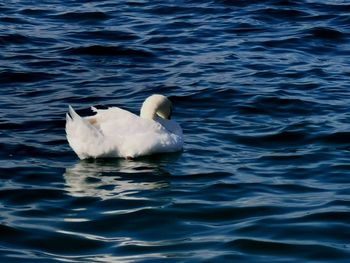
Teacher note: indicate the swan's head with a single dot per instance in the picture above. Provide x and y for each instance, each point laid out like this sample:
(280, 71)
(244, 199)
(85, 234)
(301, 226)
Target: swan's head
(156, 105)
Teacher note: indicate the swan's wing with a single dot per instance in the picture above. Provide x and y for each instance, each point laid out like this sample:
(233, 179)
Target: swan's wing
(118, 122)
(132, 135)
(171, 126)
(148, 137)
(112, 114)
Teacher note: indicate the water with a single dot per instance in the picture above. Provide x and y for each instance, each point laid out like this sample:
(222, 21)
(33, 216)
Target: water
(261, 89)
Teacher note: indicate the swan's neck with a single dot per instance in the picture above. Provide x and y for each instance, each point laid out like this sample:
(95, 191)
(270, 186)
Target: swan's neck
(155, 105)
(148, 112)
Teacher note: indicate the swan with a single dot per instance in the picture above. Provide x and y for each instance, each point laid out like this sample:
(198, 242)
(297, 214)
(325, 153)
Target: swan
(115, 132)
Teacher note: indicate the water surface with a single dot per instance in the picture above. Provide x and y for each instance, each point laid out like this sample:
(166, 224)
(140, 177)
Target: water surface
(261, 89)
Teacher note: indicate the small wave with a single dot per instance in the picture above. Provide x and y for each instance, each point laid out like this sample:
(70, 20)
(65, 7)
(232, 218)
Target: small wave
(286, 138)
(18, 151)
(202, 176)
(14, 39)
(245, 28)
(285, 3)
(295, 250)
(334, 138)
(285, 14)
(10, 233)
(9, 77)
(98, 50)
(168, 9)
(82, 16)
(104, 35)
(238, 3)
(289, 42)
(35, 12)
(15, 20)
(61, 242)
(4, 8)
(327, 217)
(277, 106)
(27, 196)
(324, 33)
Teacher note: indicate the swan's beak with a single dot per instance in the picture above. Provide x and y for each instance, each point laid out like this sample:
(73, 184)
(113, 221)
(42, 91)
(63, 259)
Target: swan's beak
(171, 112)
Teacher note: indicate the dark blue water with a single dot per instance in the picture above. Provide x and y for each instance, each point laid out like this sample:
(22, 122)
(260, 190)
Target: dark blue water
(261, 89)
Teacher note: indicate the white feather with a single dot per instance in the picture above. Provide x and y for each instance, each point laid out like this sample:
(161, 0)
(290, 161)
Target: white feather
(115, 132)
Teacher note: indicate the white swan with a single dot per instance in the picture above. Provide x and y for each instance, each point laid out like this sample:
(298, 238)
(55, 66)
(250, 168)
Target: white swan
(115, 132)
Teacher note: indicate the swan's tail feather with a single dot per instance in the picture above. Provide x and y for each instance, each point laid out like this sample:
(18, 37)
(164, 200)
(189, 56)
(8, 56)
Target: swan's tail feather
(74, 123)
(68, 118)
(73, 115)
(83, 137)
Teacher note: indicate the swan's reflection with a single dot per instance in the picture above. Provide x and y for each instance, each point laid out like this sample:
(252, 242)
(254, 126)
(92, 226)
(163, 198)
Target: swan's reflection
(114, 178)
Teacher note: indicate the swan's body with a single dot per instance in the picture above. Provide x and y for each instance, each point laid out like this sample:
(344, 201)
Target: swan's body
(115, 132)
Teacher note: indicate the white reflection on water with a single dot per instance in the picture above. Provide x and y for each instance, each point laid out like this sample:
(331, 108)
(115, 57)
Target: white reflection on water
(113, 178)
